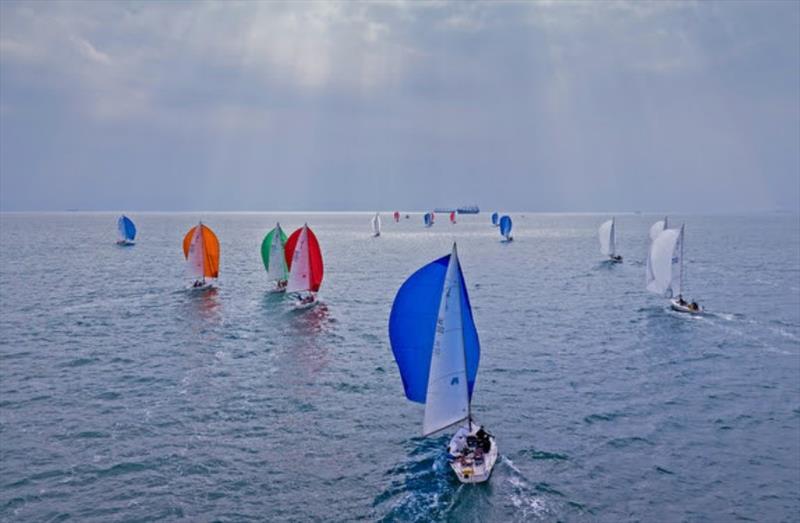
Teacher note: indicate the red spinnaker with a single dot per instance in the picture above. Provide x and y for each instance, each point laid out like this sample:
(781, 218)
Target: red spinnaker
(314, 255)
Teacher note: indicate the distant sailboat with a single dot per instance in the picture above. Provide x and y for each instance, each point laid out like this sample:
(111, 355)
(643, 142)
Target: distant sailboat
(505, 228)
(435, 344)
(396, 217)
(376, 225)
(607, 234)
(201, 250)
(127, 231)
(495, 218)
(274, 258)
(428, 219)
(658, 227)
(304, 258)
(453, 217)
(664, 270)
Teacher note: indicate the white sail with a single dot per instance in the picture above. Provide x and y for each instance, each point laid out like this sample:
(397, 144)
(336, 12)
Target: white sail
(657, 228)
(277, 260)
(608, 238)
(376, 224)
(194, 262)
(447, 399)
(664, 264)
(300, 274)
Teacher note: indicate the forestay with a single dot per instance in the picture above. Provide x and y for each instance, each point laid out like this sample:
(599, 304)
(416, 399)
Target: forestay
(665, 264)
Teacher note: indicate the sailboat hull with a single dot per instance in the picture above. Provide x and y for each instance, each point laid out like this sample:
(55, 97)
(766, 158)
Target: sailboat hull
(470, 469)
(301, 305)
(677, 307)
(126, 243)
(200, 288)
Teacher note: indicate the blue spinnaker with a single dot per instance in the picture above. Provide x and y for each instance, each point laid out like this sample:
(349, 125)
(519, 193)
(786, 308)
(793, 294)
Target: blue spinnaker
(126, 228)
(505, 226)
(428, 218)
(494, 218)
(412, 326)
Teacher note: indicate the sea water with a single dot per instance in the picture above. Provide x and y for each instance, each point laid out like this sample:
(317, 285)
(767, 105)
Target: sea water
(126, 397)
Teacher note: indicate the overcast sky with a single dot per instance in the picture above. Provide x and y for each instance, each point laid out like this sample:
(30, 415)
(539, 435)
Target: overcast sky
(550, 106)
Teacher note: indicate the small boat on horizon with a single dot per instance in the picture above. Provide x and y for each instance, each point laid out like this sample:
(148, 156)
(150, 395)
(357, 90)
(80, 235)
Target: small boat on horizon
(495, 219)
(607, 234)
(201, 250)
(376, 225)
(127, 231)
(453, 217)
(396, 216)
(505, 228)
(437, 351)
(428, 219)
(274, 258)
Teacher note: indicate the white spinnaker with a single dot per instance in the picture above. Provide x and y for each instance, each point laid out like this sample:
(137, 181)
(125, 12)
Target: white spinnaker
(300, 274)
(376, 224)
(657, 228)
(447, 399)
(664, 264)
(194, 262)
(606, 236)
(277, 260)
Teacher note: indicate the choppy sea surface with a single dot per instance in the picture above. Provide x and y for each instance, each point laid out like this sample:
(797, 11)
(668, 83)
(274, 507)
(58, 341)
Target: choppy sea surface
(123, 397)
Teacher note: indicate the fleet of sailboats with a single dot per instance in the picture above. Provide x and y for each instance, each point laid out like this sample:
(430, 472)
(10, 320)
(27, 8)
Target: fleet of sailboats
(436, 348)
(201, 250)
(274, 258)
(607, 234)
(431, 327)
(127, 231)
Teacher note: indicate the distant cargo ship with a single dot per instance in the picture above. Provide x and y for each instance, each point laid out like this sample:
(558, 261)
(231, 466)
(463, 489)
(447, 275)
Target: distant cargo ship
(469, 209)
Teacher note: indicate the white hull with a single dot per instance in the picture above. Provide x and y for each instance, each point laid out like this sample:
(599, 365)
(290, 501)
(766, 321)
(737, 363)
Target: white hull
(126, 243)
(683, 308)
(276, 289)
(613, 259)
(301, 306)
(204, 287)
(471, 470)
(507, 240)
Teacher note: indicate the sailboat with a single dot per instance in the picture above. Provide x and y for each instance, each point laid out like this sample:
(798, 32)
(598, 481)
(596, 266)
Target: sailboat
(658, 227)
(607, 234)
(201, 250)
(304, 258)
(396, 216)
(505, 228)
(436, 347)
(428, 219)
(127, 231)
(665, 272)
(453, 217)
(495, 218)
(274, 258)
(376, 225)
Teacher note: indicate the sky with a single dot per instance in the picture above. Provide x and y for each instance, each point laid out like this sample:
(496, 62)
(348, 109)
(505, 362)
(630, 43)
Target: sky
(553, 106)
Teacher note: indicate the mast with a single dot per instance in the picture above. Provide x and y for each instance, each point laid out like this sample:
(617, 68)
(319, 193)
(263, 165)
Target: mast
(461, 332)
(682, 265)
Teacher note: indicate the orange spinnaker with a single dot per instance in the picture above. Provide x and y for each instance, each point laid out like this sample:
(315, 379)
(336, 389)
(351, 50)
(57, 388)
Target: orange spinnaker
(210, 248)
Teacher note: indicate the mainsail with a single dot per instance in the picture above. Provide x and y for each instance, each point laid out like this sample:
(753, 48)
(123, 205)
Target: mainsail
(664, 271)
(607, 236)
(376, 224)
(657, 228)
